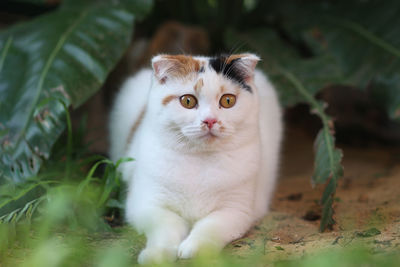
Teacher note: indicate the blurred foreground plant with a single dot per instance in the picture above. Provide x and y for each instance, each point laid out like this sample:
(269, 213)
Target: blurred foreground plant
(67, 231)
(61, 58)
(68, 228)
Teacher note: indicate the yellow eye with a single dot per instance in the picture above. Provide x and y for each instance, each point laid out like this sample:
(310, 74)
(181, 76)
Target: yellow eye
(188, 101)
(227, 101)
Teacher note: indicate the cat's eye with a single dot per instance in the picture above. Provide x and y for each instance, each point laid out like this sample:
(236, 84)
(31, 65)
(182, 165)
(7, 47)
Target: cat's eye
(188, 101)
(227, 100)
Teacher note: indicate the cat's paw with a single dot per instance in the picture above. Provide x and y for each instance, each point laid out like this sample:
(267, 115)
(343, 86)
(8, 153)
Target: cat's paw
(156, 255)
(191, 247)
(188, 248)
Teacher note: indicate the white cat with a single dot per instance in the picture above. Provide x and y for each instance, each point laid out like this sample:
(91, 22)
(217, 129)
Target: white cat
(205, 135)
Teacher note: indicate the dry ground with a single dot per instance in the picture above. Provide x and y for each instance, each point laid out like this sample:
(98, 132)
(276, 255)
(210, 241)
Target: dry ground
(367, 206)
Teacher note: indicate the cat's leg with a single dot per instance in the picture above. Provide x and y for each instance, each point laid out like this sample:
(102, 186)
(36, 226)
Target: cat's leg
(215, 231)
(164, 231)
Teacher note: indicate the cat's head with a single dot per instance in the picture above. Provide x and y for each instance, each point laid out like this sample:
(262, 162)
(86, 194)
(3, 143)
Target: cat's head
(201, 103)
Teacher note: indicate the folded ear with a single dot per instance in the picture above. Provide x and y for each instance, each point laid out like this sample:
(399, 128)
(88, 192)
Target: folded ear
(161, 66)
(174, 66)
(238, 67)
(244, 63)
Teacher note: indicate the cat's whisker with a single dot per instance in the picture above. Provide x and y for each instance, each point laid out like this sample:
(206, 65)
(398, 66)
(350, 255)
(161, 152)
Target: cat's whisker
(238, 45)
(196, 128)
(190, 127)
(228, 72)
(180, 48)
(181, 139)
(225, 134)
(195, 134)
(191, 131)
(226, 130)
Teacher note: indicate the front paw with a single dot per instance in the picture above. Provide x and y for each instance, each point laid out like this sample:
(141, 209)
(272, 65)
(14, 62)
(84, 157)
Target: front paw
(191, 247)
(188, 249)
(156, 255)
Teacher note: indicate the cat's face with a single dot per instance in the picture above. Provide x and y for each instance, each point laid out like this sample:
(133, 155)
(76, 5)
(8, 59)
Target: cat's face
(204, 102)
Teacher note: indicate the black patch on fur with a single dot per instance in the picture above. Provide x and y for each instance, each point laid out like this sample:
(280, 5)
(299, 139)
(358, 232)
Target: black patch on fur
(230, 70)
(201, 69)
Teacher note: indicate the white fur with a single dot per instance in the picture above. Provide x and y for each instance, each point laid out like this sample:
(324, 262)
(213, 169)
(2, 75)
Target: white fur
(185, 193)
(129, 104)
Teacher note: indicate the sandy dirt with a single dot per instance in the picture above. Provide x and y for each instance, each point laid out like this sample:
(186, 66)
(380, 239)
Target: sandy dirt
(367, 208)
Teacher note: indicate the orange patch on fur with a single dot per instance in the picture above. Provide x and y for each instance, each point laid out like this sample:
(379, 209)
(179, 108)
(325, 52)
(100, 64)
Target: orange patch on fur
(233, 57)
(222, 90)
(135, 126)
(182, 65)
(198, 85)
(168, 99)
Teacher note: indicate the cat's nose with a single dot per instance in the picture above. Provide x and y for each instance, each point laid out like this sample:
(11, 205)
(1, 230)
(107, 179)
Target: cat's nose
(210, 122)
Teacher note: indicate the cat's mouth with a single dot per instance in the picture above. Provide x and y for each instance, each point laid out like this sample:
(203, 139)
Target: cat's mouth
(209, 136)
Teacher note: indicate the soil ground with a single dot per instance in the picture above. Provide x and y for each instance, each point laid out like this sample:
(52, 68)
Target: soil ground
(367, 207)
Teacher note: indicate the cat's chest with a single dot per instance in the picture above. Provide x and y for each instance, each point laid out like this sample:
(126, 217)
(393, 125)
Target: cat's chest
(194, 186)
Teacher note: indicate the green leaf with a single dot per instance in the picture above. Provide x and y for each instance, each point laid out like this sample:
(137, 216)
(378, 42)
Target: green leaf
(327, 163)
(327, 158)
(59, 58)
(315, 73)
(18, 194)
(297, 80)
(113, 203)
(365, 45)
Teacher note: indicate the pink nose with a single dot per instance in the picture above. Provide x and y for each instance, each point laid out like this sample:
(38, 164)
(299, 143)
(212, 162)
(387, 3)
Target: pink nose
(210, 122)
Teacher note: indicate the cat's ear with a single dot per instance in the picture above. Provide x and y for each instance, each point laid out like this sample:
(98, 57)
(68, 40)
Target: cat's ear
(246, 63)
(173, 66)
(161, 66)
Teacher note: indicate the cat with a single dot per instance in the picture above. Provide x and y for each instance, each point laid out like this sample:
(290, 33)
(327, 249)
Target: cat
(170, 37)
(205, 133)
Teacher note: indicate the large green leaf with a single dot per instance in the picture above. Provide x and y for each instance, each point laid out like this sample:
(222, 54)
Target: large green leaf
(56, 60)
(277, 55)
(327, 163)
(362, 37)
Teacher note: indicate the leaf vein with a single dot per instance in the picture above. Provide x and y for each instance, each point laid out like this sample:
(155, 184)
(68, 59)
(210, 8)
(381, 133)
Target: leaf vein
(357, 28)
(4, 52)
(46, 68)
